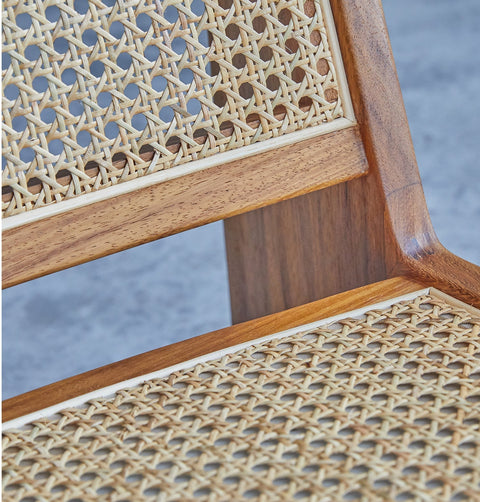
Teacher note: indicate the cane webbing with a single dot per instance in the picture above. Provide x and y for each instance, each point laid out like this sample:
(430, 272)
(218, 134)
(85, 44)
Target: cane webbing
(380, 407)
(100, 92)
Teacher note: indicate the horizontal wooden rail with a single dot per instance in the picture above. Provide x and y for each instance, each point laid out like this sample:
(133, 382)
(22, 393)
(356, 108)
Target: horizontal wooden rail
(102, 228)
(216, 340)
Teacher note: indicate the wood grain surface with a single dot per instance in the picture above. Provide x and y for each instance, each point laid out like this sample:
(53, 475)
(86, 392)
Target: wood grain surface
(305, 248)
(109, 226)
(216, 340)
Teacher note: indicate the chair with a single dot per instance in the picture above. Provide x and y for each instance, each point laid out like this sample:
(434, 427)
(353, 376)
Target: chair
(351, 371)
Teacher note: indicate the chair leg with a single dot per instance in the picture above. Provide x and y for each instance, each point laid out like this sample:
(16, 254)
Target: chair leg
(305, 249)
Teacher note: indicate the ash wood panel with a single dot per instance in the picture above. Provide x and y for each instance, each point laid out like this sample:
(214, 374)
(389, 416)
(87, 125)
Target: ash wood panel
(305, 248)
(411, 244)
(216, 340)
(147, 214)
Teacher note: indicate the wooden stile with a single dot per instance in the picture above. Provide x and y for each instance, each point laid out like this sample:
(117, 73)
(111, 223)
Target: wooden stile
(394, 234)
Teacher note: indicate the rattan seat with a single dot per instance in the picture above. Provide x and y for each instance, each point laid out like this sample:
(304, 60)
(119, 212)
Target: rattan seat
(379, 406)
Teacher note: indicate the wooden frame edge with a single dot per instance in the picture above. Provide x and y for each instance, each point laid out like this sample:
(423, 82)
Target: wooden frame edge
(189, 349)
(412, 247)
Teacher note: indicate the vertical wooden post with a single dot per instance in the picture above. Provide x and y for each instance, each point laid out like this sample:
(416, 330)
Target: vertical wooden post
(306, 248)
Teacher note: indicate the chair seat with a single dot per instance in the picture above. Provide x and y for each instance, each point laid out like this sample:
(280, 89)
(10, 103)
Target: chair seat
(378, 404)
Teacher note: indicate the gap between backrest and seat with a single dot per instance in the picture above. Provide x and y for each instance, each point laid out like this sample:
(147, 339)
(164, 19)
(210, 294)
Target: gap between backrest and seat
(363, 218)
(356, 232)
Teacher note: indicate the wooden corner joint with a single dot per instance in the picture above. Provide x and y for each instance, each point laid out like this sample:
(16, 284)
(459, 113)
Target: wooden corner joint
(417, 252)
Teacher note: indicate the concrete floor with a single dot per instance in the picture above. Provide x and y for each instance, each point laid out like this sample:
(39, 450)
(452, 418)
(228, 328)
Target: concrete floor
(176, 288)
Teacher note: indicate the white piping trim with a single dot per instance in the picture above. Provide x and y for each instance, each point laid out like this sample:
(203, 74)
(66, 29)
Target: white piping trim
(133, 382)
(329, 21)
(172, 173)
(453, 301)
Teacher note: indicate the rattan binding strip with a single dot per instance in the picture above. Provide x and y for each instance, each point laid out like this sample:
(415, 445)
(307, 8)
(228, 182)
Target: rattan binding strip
(385, 406)
(96, 93)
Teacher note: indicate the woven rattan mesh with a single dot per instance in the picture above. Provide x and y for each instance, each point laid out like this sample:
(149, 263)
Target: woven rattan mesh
(101, 92)
(385, 407)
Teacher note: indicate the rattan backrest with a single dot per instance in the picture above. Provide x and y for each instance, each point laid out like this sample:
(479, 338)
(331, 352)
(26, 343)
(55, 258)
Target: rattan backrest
(110, 107)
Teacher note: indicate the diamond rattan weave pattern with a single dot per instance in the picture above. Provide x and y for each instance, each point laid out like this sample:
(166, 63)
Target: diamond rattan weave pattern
(381, 407)
(101, 92)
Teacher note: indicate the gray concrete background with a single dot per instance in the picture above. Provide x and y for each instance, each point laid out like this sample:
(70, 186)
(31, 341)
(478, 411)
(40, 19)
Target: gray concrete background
(176, 288)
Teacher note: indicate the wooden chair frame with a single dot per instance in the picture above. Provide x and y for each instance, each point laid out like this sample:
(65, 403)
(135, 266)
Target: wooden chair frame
(364, 226)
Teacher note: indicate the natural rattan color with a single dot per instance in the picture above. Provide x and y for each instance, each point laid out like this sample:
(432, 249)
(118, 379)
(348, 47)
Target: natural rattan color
(101, 92)
(380, 407)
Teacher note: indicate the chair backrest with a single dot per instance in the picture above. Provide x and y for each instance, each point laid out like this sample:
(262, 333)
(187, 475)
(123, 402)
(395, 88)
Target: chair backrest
(125, 122)
(105, 99)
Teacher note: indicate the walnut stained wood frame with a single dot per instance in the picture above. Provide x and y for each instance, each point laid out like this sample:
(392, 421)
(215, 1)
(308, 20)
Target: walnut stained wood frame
(337, 219)
(383, 228)
(318, 103)
(216, 340)
(385, 205)
(405, 241)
